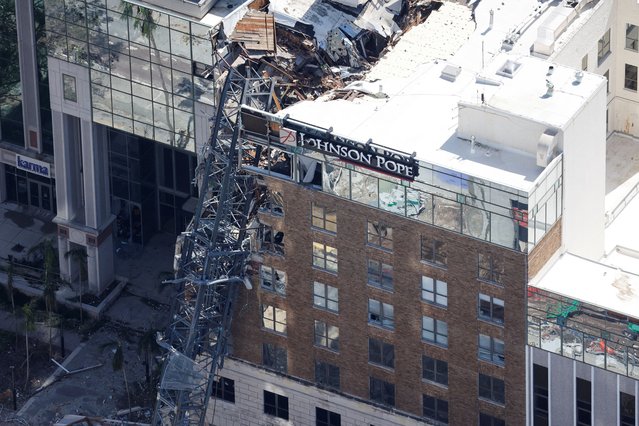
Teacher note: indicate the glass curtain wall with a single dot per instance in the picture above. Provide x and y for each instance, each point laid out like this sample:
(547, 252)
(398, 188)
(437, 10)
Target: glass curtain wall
(11, 124)
(43, 78)
(141, 64)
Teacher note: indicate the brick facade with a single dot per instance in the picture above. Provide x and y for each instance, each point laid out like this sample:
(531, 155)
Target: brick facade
(352, 319)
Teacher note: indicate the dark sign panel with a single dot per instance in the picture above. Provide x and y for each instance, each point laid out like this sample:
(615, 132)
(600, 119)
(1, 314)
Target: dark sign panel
(371, 156)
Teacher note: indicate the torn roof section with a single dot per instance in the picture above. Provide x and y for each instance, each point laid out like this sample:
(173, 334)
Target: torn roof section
(318, 18)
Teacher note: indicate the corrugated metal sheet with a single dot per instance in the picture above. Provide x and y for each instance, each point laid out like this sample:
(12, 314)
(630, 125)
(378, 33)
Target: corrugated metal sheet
(256, 31)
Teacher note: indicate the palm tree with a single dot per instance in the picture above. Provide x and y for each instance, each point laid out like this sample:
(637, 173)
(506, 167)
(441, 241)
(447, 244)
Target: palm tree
(79, 255)
(48, 252)
(147, 344)
(11, 296)
(29, 325)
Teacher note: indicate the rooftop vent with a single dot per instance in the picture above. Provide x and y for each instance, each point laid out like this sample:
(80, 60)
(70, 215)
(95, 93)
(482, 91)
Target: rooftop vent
(547, 146)
(450, 72)
(509, 68)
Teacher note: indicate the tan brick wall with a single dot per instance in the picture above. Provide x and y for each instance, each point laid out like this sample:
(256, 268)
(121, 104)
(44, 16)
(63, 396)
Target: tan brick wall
(461, 314)
(544, 250)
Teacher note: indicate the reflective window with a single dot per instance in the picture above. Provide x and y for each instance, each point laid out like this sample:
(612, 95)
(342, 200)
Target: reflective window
(380, 274)
(491, 308)
(324, 218)
(381, 314)
(325, 257)
(274, 319)
(326, 335)
(632, 37)
(273, 280)
(434, 291)
(434, 370)
(325, 297)
(435, 331)
(491, 349)
(603, 47)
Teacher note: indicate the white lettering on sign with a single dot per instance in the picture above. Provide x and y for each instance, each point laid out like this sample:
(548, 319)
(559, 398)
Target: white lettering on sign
(403, 166)
(33, 166)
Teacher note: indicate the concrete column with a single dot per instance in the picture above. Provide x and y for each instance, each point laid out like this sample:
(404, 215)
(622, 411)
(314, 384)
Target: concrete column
(28, 73)
(65, 139)
(95, 175)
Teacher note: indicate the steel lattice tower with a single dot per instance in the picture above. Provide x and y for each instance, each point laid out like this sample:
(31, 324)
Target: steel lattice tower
(214, 250)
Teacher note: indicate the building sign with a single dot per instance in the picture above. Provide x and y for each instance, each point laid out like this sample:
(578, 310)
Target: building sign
(371, 156)
(33, 166)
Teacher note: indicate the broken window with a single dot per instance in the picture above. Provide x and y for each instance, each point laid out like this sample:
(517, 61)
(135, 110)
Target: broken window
(266, 159)
(273, 279)
(381, 314)
(310, 171)
(489, 269)
(271, 240)
(273, 203)
(380, 235)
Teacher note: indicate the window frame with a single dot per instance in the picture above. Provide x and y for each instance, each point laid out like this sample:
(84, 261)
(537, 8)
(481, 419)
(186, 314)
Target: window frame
(627, 409)
(439, 409)
(491, 389)
(603, 47)
(276, 312)
(387, 391)
(379, 235)
(279, 407)
(328, 302)
(269, 242)
(491, 317)
(323, 218)
(322, 336)
(491, 354)
(384, 353)
(433, 251)
(325, 375)
(438, 373)
(583, 407)
(224, 389)
(321, 255)
(274, 275)
(332, 418)
(540, 412)
(630, 40)
(488, 420)
(384, 321)
(378, 274)
(438, 337)
(489, 269)
(626, 79)
(436, 295)
(275, 357)
(69, 88)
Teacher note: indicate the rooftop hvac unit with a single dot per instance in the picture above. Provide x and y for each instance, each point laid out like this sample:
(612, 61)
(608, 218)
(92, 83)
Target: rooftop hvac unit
(546, 147)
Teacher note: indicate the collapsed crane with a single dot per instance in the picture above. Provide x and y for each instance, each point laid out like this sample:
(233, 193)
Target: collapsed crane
(214, 250)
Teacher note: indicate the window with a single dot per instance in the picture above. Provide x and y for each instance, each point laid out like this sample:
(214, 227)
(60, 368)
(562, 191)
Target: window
(631, 37)
(540, 395)
(584, 63)
(603, 47)
(380, 235)
(380, 274)
(275, 405)
(584, 403)
(327, 374)
(491, 349)
(381, 353)
(382, 392)
(274, 357)
(491, 388)
(381, 314)
(327, 418)
(274, 318)
(433, 251)
(69, 91)
(626, 409)
(224, 389)
(491, 308)
(435, 370)
(607, 75)
(271, 240)
(326, 335)
(273, 203)
(325, 257)
(434, 291)
(489, 269)
(324, 218)
(273, 280)
(630, 80)
(487, 420)
(435, 409)
(325, 297)
(435, 331)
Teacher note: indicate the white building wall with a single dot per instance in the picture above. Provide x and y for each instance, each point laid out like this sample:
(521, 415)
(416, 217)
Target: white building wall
(248, 409)
(584, 150)
(562, 375)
